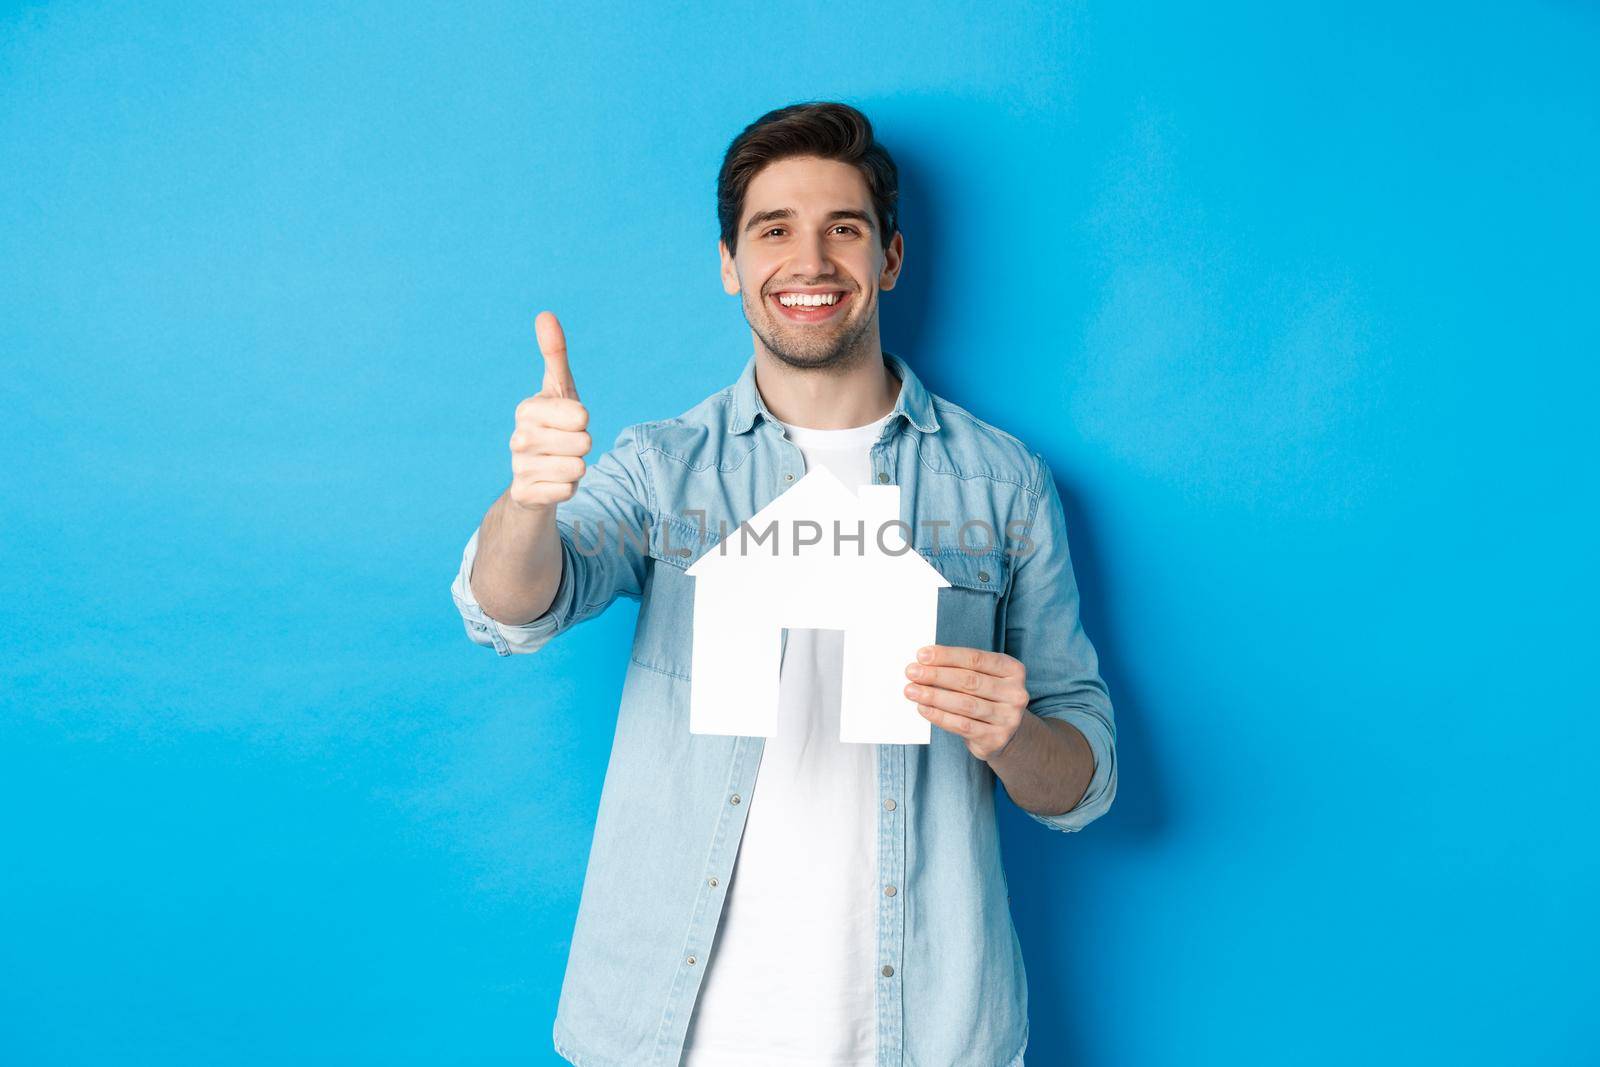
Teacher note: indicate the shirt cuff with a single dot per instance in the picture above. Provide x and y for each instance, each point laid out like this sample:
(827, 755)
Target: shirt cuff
(504, 638)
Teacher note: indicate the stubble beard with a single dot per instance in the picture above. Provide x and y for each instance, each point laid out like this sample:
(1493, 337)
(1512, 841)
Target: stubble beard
(835, 352)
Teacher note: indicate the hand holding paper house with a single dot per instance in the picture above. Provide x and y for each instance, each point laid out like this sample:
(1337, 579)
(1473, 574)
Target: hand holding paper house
(821, 556)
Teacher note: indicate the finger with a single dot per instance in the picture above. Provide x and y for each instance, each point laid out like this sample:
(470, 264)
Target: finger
(553, 346)
(945, 720)
(973, 659)
(548, 468)
(964, 704)
(962, 680)
(557, 413)
(548, 441)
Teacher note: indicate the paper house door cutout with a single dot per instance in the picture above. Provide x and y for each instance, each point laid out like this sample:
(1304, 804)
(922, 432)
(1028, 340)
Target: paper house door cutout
(751, 584)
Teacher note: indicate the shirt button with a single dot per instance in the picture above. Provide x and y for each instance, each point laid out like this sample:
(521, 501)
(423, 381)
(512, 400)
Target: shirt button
(734, 799)
(888, 804)
(883, 476)
(712, 882)
(889, 890)
(788, 477)
(983, 576)
(691, 961)
(888, 971)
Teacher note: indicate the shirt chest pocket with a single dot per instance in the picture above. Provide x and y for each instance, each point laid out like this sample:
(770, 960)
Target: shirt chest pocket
(971, 609)
(663, 637)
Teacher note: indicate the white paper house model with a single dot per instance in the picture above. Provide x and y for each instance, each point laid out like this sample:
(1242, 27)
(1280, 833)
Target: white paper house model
(786, 567)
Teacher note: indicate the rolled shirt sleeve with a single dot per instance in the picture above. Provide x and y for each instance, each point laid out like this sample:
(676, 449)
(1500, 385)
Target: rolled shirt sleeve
(1044, 632)
(604, 531)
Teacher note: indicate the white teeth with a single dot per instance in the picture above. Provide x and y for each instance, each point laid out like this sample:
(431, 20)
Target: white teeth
(810, 300)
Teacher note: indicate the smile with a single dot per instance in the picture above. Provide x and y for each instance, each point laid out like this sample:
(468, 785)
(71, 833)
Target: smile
(809, 307)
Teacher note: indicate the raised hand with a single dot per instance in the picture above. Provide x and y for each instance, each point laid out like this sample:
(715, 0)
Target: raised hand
(551, 437)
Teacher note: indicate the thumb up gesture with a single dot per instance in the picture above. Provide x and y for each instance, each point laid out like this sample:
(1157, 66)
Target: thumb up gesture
(551, 438)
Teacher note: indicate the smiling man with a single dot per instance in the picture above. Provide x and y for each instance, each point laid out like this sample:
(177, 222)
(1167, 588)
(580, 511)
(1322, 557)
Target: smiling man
(799, 900)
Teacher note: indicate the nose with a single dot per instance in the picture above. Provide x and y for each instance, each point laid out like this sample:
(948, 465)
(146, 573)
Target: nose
(810, 258)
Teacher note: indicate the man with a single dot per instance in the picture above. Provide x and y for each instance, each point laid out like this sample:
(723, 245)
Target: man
(798, 900)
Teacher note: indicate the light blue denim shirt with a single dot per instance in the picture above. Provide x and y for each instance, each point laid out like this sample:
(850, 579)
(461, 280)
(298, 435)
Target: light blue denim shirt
(951, 988)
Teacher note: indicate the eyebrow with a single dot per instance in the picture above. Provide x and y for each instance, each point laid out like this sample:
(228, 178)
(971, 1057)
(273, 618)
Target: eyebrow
(762, 217)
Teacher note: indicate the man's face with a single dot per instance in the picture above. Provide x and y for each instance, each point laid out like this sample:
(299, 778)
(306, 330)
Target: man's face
(809, 231)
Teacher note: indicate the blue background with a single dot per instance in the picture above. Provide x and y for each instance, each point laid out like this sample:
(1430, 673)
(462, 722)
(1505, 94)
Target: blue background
(1300, 305)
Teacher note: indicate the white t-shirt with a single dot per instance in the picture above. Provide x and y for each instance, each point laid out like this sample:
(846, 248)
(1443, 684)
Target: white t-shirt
(791, 978)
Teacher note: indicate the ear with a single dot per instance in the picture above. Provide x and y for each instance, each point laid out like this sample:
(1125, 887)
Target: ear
(730, 276)
(893, 257)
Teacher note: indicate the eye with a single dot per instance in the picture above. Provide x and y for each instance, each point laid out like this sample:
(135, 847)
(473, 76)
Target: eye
(774, 230)
(846, 226)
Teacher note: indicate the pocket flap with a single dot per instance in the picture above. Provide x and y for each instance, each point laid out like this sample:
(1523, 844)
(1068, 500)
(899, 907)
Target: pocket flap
(985, 571)
(678, 544)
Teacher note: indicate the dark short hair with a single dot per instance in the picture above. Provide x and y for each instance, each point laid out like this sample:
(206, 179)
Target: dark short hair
(816, 128)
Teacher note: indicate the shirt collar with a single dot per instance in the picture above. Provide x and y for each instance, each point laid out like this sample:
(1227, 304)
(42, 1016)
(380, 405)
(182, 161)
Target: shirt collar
(914, 402)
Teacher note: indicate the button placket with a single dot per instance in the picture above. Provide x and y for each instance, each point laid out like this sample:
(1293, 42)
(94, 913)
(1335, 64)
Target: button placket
(883, 458)
(891, 915)
(794, 463)
(746, 757)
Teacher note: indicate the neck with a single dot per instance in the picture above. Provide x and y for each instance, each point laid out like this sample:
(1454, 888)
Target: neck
(839, 397)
